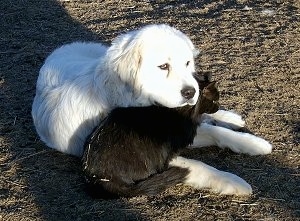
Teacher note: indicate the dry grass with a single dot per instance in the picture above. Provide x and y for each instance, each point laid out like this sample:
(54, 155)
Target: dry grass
(254, 53)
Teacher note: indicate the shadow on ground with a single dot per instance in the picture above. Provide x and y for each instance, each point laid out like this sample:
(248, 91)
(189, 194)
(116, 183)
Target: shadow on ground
(37, 183)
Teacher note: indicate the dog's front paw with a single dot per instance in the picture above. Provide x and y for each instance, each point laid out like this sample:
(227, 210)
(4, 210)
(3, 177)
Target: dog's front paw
(230, 184)
(249, 144)
(256, 145)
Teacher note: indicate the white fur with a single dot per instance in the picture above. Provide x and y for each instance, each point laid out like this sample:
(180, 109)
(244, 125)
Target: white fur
(204, 176)
(80, 83)
(221, 135)
(216, 129)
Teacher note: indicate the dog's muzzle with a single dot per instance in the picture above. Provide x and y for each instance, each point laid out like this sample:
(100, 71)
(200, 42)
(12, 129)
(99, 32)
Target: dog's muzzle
(188, 92)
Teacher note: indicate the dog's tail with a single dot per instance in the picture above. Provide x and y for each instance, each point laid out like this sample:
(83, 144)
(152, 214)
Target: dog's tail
(151, 186)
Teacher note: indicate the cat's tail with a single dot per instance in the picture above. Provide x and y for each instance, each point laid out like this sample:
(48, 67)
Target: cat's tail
(151, 186)
(161, 181)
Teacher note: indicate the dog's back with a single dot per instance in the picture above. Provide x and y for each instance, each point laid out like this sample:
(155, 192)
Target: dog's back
(64, 91)
(68, 62)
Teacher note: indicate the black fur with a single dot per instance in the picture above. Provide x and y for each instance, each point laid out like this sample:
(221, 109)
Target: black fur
(129, 153)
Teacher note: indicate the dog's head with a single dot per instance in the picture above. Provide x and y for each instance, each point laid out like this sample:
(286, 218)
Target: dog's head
(157, 61)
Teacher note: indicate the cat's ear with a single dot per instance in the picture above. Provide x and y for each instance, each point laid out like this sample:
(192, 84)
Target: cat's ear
(211, 91)
(212, 86)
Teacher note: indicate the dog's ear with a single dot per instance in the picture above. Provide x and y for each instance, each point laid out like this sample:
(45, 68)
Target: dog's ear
(125, 56)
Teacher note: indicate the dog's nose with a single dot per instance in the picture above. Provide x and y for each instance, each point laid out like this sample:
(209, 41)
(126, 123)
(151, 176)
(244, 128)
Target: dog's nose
(188, 92)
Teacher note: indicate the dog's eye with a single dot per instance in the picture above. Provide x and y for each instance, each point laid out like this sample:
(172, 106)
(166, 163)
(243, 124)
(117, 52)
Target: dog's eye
(165, 66)
(187, 63)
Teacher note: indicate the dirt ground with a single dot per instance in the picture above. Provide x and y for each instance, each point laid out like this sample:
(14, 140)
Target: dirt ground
(251, 47)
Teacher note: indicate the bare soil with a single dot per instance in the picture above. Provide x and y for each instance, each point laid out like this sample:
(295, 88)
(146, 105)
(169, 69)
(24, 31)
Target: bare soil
(251, 47)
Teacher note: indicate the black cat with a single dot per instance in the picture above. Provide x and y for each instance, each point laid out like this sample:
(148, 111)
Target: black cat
(129, 153)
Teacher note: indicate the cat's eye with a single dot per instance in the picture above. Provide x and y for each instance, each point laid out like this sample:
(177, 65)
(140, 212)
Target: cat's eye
(187, 63)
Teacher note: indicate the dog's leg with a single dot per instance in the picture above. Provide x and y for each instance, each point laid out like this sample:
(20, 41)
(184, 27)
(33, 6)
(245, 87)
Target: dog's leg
(222, 118)
(203, 176)
(209, 135)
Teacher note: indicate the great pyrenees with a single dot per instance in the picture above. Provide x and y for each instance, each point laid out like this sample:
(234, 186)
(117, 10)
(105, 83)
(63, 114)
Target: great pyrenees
(80, 83)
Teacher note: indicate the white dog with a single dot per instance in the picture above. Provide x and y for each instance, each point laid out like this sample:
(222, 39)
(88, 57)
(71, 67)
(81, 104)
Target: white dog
(80, 83)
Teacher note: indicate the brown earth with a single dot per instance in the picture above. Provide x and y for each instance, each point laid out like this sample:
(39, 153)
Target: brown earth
(251, 47)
